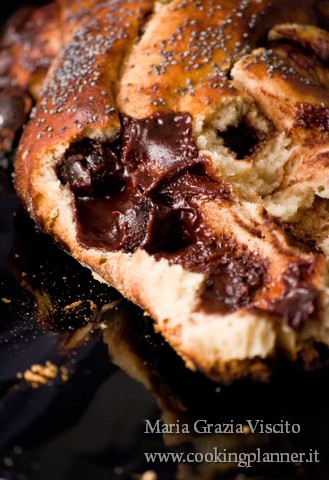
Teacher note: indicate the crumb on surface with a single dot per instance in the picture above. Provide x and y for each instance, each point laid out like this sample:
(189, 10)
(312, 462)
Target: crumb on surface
(38, 375)
(149, 475)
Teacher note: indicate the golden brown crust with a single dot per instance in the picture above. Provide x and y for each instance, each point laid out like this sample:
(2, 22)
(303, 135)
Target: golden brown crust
(124, 62)
(186, 66)
(308, 36)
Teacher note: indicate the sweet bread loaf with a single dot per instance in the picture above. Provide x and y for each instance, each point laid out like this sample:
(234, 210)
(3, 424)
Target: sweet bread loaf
(179, 149)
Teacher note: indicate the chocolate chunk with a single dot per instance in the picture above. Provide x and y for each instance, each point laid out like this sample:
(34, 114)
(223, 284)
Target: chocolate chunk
(234, 276)
(92, 169)
(116, 222)
(296, 306)
(124, 222)
(159, 147)
(299, 301)
(234, 281)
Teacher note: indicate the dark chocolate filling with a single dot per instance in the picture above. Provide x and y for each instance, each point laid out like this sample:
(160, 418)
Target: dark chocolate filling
(144, 190)
(92, 169)
(299, 301)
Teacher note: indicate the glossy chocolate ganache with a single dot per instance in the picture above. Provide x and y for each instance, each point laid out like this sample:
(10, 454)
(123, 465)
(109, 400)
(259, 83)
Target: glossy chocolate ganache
(145, 190)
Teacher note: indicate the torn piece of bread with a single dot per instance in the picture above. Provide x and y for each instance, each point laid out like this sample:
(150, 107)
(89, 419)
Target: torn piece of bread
(170, 152)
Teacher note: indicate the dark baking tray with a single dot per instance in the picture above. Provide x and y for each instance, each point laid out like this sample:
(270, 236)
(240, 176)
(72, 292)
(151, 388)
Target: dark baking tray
(87, 422)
